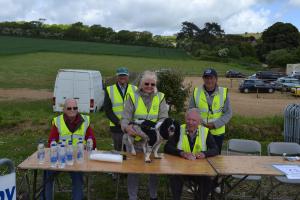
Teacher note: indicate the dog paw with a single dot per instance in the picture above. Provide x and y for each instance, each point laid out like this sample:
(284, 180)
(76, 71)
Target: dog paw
(133, 153)
(148, 161)
(158, 157)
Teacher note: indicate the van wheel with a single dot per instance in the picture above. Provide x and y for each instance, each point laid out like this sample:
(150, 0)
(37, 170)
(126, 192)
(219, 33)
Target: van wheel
(246, 90)
(270, 90)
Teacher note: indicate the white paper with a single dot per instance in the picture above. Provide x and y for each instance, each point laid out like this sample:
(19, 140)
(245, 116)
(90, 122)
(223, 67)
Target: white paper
(107, 157)
(291, 171)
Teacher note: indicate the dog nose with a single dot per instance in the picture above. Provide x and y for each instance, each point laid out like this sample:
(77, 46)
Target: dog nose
(172, 129)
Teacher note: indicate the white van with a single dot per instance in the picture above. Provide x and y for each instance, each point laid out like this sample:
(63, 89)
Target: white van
(83, 85)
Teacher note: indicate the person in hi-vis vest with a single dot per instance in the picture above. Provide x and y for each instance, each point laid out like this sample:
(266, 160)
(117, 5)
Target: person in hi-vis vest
(114, 104)
(214, 105)
(194, 142)
(69, 126)
(145, 103)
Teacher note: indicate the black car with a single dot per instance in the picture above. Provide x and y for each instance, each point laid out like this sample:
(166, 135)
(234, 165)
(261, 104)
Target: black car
(255, 85)
(234, 74)
(269, 75)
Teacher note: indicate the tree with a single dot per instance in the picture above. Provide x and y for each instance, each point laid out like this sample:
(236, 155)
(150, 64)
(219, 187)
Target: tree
(77, 31)
(279, 36)
(126, 37)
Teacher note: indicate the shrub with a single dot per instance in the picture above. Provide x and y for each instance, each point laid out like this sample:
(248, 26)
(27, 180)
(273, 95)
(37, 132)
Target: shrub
(171, 84)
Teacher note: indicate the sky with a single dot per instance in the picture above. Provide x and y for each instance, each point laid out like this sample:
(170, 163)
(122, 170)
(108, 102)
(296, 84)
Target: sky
(162, 17)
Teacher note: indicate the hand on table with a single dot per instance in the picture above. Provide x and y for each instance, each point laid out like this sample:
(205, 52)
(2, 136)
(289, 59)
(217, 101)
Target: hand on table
(188, 156)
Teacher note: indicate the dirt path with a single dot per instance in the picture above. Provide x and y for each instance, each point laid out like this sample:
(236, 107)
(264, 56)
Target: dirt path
(264, 104)
(243, 104)
(28, 94)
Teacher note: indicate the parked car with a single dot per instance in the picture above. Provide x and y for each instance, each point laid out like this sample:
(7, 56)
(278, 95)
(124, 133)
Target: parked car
(285, 83)
(83, 85)
(254, 85)
(295, 91)
(269, 75)
(234, 74)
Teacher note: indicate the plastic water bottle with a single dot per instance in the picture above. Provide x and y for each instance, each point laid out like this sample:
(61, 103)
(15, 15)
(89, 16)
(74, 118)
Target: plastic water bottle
(89, 146)
(62, 156)
(80, 152)
(53, 154)
(70, 160)
(41, 152)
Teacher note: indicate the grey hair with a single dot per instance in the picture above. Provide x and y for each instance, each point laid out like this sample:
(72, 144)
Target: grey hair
(191, 110)
(148, 75)
(67, 100)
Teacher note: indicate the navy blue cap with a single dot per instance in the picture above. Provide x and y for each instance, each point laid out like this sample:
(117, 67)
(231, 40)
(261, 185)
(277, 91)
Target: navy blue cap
(210, 72)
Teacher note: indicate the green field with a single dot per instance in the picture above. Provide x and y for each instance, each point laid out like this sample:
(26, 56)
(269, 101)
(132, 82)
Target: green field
(33, 63)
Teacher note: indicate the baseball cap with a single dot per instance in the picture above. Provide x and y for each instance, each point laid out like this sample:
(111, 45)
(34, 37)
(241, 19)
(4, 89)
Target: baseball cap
(122, 71)
(210, 72)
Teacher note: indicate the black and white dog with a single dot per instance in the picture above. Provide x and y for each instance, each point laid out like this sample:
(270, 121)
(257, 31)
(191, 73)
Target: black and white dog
(153, 134)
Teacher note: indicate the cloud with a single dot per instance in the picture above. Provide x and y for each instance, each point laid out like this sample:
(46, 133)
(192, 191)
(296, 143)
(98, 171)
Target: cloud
(294, 2)
(156, 16)
(247, 21)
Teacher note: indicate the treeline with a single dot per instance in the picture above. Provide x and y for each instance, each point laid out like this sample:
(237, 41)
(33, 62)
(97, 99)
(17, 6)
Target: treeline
(79, 31)
(278, 45)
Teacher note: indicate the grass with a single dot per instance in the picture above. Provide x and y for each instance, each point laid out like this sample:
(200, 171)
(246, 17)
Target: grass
(38, 70)
(18, 45)
(33, 63)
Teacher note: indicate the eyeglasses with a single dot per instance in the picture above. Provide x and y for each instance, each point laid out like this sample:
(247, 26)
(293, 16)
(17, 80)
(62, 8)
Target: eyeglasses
(70, 108)
(152, 84)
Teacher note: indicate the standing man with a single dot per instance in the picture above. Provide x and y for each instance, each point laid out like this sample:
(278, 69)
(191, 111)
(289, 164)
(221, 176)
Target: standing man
(114, 104)
(194, 142)
(214, 105)
(70, 126)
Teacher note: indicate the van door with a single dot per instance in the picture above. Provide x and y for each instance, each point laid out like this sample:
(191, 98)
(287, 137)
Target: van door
(82, 91)
(63, 89)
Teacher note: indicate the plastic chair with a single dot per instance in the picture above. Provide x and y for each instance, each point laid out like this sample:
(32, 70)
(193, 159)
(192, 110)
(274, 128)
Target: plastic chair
(244, 147)
(278, 149)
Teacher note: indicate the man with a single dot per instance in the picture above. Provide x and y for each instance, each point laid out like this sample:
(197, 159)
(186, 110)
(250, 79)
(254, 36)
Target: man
(69, 126)
(214, 105)
(114, 104)
(194, 142)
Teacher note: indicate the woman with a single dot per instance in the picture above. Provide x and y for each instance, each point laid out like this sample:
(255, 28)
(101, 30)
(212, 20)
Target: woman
(145, 103)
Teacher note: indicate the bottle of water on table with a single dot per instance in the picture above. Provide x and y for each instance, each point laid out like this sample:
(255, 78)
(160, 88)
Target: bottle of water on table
(70, 159)
(53, 154)
(89, 146)
(62, 156)
(80, 152)
(41, 152)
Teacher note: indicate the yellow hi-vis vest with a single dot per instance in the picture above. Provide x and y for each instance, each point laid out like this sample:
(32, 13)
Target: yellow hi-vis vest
(200, 143)
(216, 110)
(141, 111)
(65, 133)
(117, 100)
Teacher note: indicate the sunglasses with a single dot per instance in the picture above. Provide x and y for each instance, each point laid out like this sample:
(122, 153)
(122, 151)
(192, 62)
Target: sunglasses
(70, 108)
(147, 84)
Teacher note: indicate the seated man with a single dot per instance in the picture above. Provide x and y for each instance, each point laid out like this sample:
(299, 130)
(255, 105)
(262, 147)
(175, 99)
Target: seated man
(71, 126)
(190, 145)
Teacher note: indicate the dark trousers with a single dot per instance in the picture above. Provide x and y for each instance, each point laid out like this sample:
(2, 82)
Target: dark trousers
(219, 141)
(201, 185)
(117, 140)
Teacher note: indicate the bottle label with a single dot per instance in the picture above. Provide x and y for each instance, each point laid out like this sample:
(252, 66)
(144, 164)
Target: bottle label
(63, 159)
(69, 157)
(53, 159)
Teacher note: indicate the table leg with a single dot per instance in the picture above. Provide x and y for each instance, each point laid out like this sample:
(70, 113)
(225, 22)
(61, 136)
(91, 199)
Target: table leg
(34, 184)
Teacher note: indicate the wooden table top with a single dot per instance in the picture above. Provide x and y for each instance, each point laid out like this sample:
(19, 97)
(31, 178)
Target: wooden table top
(248, 165)
(133, 164)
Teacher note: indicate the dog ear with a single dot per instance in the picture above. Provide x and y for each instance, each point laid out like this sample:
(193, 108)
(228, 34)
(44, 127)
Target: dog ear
(177, 130)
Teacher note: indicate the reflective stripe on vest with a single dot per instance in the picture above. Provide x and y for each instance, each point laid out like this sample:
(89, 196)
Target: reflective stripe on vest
(216, 111)
(141, 111)
(200, 142)
(117, 100)
(65, 133)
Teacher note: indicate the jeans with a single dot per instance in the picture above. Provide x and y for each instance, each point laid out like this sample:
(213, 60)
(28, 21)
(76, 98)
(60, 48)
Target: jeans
(77, 185)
